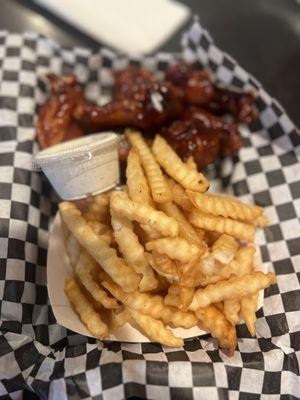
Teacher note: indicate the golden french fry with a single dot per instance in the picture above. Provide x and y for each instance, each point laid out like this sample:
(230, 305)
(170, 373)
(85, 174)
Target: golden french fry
(175, 248)
(176, 168)
(159, 188)
(190, 163)
(219, 306)
(231, 309)
(143, 214)
(233, 287)
(119, 317)
(179, 296)
(248, 311)
(224, 248)
(97, 210)
(85, 309)
(137, 183)
(241, 265)
(179, 195)
(84, 270)
(152, 305)
(213, 320)
(155, 329)
(186, 229)
(73, 249)
(132, 251)
(102, 230)
(261, 221)
(224, 206)
(237, 229)
(163, 265)
(191, 277)
(98, 248)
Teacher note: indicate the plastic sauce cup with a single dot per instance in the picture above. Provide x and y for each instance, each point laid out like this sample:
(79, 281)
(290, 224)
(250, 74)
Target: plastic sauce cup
(81, 167)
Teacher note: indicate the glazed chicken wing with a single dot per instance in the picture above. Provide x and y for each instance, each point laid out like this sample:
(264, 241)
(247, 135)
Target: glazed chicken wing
(55, 122)
(202, 135)
(139, 100)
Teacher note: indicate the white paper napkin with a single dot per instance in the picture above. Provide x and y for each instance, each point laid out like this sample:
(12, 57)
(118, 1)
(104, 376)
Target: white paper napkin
(131, 26)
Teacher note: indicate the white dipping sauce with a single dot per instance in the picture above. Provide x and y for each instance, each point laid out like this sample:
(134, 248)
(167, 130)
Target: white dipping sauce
(83, 166)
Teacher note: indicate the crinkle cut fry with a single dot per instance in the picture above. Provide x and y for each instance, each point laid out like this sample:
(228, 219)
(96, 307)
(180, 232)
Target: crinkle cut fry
(175, 248)
(83, 269)
(237, 229)
(190, 163)
(85, 309)
(179, 195)
(224, 206)
(213, 320)
(119, 317)
(143, 214)
(186, 229)
(231, 308)
(241, 265)
(153, 306)
(176, 168)
(155, 329)
(248, 311)
(137, 183)
(132, 251)
(233, 287)
(159, 187)
(179, 296)
(98, 248)
(225, 248)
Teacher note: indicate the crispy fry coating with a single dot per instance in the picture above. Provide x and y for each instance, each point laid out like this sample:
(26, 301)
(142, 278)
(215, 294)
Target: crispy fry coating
(73, 249)
(84, 271)
(138, 188)
(237, 229)
(159, 187)
(155, 329)
(98, 248)
(163, 265)
(175, 248)
(233, 287)
(224, 249)
(152, 305)
(241, 265)
(176, 168)
(186, 229)
(231, 308)
(179, 195)
(103, 230)
(224, 206)
(261, 221)
(213, 320)
(248, 311)
(85, 309)
(143, 214)
(190, 163)
(179, 296)
(132, 251)
(119, 317)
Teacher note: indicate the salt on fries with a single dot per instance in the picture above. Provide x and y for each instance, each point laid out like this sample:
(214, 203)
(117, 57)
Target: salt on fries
(161, 253)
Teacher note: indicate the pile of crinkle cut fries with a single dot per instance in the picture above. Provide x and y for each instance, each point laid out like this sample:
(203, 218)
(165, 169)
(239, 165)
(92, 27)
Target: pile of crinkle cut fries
(161, 252)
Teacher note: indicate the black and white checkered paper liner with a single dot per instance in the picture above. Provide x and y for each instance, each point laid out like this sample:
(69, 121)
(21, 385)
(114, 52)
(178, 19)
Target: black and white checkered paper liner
(37, 353)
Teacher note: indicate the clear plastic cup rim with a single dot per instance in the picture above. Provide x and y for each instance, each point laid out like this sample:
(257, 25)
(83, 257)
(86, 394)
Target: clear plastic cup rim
(78, 149)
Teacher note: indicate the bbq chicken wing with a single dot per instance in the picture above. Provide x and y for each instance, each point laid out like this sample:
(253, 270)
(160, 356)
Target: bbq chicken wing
(139, 100)
(55, 122)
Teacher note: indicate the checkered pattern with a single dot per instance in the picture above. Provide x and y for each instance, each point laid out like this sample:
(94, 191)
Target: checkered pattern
(44, 357)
